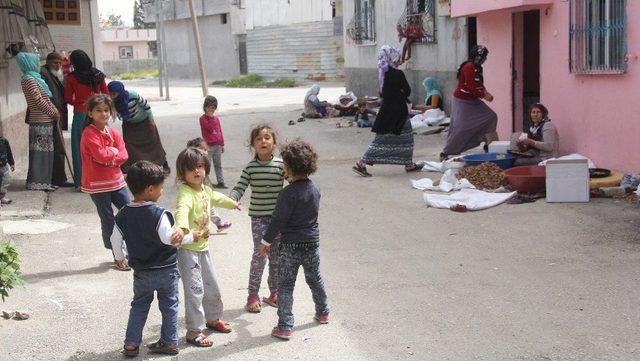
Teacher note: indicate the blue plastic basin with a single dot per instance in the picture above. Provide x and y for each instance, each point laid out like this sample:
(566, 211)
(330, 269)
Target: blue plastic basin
(504, 161)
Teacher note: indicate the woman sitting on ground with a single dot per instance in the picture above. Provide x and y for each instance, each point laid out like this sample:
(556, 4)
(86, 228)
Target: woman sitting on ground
(433, 96)
(313, 107)
(541, 141)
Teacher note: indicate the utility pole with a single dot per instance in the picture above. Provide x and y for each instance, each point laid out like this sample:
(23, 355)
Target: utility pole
(159, 45)
(164, 52)
(196, 35)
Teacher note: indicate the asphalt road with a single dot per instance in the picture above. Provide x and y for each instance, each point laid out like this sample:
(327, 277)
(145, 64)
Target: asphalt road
(516, 282)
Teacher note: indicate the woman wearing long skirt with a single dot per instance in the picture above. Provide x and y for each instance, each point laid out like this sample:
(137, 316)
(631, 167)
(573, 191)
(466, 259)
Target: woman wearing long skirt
(82, 83)
(41, 113)
(139, 130)
(393, 143)
(472, 121)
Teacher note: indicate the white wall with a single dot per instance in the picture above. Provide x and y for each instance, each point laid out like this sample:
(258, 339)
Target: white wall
(286, 12)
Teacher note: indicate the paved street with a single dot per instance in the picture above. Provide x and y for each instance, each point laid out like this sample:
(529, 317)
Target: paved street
(516, 282)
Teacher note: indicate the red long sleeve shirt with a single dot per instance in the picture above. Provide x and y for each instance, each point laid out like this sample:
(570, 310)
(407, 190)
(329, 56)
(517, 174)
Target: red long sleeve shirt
(77, 94)
(470, 86)
(211, 130)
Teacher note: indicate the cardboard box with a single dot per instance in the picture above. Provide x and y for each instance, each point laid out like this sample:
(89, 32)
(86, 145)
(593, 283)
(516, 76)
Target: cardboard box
(567, 180)
(499, 146)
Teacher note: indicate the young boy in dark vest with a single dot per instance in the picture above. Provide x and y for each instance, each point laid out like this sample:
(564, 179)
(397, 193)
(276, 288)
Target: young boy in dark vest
(151, 239)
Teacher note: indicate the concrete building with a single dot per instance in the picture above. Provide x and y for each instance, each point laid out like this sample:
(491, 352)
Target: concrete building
(579, 58)
(299, 39)
(127, 44)
(66, 25)
(221, 25)
(369, 24)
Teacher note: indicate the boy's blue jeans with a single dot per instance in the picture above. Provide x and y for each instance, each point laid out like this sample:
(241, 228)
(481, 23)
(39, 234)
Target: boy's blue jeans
(292, 256)
(164, 281)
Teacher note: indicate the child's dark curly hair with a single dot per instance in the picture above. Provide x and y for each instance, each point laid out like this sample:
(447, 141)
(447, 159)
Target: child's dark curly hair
(300, 157)
(195, 142)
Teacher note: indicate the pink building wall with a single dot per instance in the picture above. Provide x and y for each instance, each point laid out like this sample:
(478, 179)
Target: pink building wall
(112, 40)
(596, 115)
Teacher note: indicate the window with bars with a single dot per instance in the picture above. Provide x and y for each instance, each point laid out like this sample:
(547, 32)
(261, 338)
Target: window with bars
(62, 12)
(418, 21)
(126, 52)
(362, 28)
(598, 36)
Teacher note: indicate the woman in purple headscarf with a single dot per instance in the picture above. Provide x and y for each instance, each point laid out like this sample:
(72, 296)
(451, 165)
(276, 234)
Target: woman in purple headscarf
(393, 143)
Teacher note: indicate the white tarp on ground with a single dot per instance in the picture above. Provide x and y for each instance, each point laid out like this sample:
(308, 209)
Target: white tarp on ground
(473, 199)
(448, 182)
(433, 166)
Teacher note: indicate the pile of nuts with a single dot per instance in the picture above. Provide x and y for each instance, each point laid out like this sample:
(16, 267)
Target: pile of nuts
(484, 176)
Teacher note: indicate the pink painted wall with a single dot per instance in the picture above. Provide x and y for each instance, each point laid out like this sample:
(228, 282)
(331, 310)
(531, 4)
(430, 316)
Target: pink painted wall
(492, 30)
(473, 7)
(596, 115)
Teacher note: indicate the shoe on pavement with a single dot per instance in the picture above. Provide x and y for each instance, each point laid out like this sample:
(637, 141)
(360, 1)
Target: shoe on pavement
(281, 333)
(322, 319)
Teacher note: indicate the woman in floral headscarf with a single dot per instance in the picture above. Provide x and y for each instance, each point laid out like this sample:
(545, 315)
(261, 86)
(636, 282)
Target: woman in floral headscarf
(393, 143)
(472, 121)
(41, 113)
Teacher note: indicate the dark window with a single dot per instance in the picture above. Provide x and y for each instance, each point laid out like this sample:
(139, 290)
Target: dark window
(223, 18)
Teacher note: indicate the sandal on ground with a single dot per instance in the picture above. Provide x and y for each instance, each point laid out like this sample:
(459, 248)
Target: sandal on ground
(443, 157)
(199, 341)
(130, 353)
(361, 171)
(162, 348)
(414, 167)
(253, 304)
(219, 326)
(272, 300)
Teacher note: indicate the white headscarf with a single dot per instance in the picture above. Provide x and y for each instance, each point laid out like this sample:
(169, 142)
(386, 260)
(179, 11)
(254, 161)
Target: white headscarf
(387, 57)
(312, 94)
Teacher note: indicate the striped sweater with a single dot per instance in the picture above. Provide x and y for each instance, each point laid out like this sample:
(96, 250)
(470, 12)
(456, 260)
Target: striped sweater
(266, 179)
(41, 109)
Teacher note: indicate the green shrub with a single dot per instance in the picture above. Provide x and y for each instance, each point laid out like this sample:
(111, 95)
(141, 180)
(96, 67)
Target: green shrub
(137, 74)
(256, 81)
(9, 269)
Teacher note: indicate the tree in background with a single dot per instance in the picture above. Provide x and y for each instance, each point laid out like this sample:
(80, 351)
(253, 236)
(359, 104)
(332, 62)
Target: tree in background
(115, 21)
(138, 17)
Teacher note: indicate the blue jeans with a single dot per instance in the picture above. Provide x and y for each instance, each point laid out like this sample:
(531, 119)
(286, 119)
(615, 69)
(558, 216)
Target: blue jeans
(77, 126)
(291, 257)
(164, 281)
(103, 202)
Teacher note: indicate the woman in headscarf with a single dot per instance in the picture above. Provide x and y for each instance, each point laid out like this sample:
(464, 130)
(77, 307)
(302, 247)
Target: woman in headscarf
(433, 95)
(139, 130)
(540, 142)
(83, 82)
(313, 107)
(41, 113)
(393, 143)
(472, 121)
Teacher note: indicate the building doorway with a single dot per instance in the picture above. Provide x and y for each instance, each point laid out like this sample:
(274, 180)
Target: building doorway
(525, 66)
(242, 54)
(472, 34)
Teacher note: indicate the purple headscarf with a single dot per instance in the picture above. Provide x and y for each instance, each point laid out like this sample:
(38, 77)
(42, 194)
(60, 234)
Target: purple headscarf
(387, 57)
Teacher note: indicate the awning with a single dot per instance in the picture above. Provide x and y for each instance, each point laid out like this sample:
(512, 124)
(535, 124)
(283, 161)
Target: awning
(475, 7)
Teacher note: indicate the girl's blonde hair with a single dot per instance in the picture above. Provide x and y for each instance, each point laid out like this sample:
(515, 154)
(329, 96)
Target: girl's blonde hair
(188, 160)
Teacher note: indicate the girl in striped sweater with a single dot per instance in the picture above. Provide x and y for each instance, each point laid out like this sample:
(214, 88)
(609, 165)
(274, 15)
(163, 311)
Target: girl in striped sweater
(265, 175)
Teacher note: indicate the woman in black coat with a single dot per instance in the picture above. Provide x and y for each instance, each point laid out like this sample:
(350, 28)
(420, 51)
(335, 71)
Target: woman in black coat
(393, 143)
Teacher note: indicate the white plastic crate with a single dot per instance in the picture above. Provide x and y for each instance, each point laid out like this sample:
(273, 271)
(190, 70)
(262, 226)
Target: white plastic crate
(567, 180)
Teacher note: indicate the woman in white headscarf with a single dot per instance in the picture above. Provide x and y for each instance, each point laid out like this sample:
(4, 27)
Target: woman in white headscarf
(393, 143)
(313, 107)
